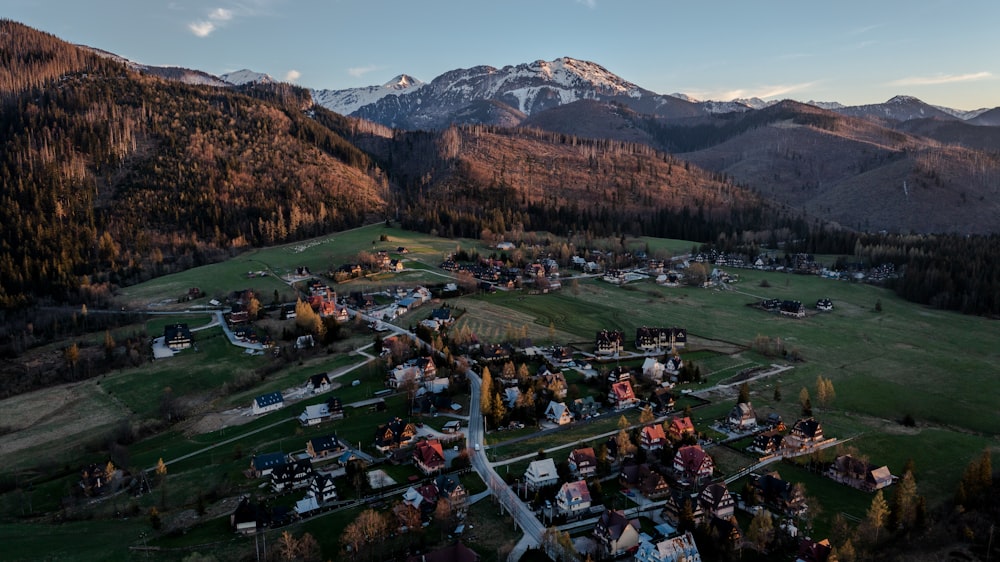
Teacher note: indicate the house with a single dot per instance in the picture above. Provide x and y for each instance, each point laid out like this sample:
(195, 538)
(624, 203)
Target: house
(662, 399)
(443, 316)
(780, 495)
(267, 403)
(295, 474)
(248, 518)
(394, 434)
(318, 413)
(325, 446)
(859, 474)
(806, 432)
(573, 498)
(681, 548)
(692, 463)
(814, 551)
(541, 473)
(680, 501)
(616, 534)
(335, 407)
(655, 339)
(679, 428)
(177, 337)
(653, 438)
(725, 530)
(742, 417)
(262, 465)
(304, 342)
(558, 413)
(826, 305)
(621, 395)
(767, 443)
(451, 490)
(653, 370)
(650, 483)
(792, 308)
(424, 499)
(609, 342)
(453, 426)
(457, 552)
(619, 374)
(429, 456)
(583, 462)
(585, 407)
(716, 501)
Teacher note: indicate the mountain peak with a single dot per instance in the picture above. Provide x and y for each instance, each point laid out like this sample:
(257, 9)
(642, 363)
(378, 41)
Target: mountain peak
(904, 99)
(402, 82)
(245, 76)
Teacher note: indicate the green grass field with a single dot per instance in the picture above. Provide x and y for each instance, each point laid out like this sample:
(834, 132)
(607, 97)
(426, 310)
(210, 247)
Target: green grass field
(905, 360)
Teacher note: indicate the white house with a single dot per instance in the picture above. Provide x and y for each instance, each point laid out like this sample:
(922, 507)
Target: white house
(557, 412)
(541, 473)
(681, 548)
(267, 403)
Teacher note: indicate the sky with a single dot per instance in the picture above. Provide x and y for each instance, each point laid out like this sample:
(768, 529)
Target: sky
(944, 52)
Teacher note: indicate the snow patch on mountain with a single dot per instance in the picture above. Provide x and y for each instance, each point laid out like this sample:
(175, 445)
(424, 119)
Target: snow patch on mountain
(241, 77)
(962, 114)
(350, 100)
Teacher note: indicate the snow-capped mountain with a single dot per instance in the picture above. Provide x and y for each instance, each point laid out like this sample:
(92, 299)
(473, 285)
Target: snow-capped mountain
(899, 108)
(525, 88)
(348, 101)
(241, 77)
(962, 114)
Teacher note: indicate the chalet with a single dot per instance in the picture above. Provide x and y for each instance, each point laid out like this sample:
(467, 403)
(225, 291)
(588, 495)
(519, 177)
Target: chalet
(451, 490)
(585, 407)
(327, 446)
(792, 308)
(775, 422)
(616, 534)
(558, 413)
(394, 434)
(742, 417)
(662, 400)
(716, 501)
(583, 462)
(94, 480)
(429, 456)
(453, 426)
(725, 530)
(541, 473)
(510, 396)
(562, 355)
(619, 374)
(653, 438)
(267, 403)
(573, 498)
(767, 443)
(321, 491)
(554, 381)
(304, 342)
(621, 395)
(496, 352)
(770, 304)
(679, 428)
(316, 414)
(248, 518)
(263, 465)
(673, 365)
(826, 305)
(609, 342)
(693, 464)
(678, 501)
(643, 478)
(814, 551)
(680, 548)
(443, 316)
(177, 337)
(656, 339)
(653, 370)
(424, 499)
(806, 432)
(859, 474)
(295, 474)
(780, 495)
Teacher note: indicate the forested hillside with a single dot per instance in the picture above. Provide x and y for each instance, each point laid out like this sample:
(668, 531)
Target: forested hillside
(114, 176)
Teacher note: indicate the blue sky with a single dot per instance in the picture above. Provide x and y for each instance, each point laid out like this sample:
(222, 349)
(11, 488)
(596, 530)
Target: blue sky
(942, 51)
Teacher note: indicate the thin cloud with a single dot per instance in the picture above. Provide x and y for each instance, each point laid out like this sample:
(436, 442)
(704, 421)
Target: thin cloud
(865, 29)
(359, 71)
(940, 79)
(201, 28)
(762, 92)
(588, 3)
(221, 14)
(292, 75)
